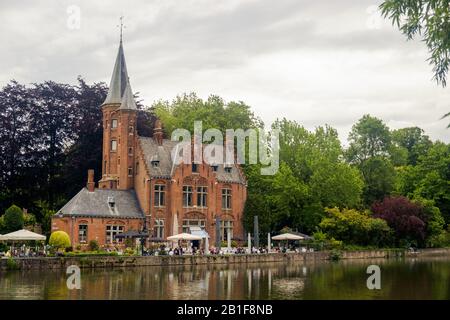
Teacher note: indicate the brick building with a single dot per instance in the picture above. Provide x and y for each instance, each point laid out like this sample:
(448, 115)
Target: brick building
(140, 185)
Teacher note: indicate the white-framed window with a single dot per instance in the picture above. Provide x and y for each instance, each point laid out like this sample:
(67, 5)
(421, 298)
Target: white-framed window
(114, 123)
(112, 231)
(202, 195)
(160, 195)
(225, 226)
(226, 198)
(187, 223)
(159, 228)
(187, 196)
(113, 145)
(82, 233)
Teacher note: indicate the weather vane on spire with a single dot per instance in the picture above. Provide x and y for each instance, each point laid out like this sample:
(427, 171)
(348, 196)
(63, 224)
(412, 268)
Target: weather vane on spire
(122, 26)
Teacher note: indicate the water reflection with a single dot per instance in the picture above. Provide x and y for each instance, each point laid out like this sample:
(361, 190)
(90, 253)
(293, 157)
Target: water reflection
(401, 279)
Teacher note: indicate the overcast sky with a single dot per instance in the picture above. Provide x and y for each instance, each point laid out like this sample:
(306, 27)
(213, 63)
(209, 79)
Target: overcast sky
(316, 62)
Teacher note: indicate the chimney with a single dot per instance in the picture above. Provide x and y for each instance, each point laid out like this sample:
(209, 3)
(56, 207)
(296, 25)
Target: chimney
(158, 132)
(90, 183)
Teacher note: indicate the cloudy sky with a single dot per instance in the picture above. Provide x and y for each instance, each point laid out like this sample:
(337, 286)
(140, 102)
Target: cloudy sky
(316, 62)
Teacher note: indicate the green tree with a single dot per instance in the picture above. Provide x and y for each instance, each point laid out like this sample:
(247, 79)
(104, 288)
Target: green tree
(379, 176)
(355, 227)
(214, 112)
(414, 141)
(13, 218)
(369, 150)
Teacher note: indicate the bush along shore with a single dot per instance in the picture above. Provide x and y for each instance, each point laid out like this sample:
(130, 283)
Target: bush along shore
(110, 261)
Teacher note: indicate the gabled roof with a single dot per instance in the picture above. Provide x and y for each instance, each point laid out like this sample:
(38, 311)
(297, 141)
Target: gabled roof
(95, 204)
(119, 79)
(163, 153)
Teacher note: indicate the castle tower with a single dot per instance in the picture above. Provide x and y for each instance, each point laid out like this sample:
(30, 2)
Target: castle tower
(119, 129)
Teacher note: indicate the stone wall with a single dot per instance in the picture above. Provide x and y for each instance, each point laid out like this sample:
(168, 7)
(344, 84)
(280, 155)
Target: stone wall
(122, 261)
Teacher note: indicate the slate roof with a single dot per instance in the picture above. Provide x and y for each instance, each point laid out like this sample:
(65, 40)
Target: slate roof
(152, 151)
(95, 204)
(119, 79)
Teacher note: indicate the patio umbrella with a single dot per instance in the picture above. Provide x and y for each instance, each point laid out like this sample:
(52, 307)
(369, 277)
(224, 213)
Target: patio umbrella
(287, 236)
(184, 236)
(22, 235)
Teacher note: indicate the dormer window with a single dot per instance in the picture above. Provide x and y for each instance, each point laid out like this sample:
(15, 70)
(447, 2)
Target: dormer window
(227, 169)
(155, 163)
(111, 202)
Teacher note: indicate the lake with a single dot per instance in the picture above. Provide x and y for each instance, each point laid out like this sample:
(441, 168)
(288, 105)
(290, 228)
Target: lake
(412, 278)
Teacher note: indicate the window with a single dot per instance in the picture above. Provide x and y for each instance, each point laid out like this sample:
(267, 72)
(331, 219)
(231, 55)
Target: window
(228, 169)
(187, 223)
(114, 123)
(159, 228)
(130, 171)
(226, 198)
(130, 129)
(194, 167)
(130, 151)
(113, 145)
(82, 233)
(111, 232)
(214, 168)
(187, 196)
(202, 193)
(159, 195)
(225, 227)
(155, 163)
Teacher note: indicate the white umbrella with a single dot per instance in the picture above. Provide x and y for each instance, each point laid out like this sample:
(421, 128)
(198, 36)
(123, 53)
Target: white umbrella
(184, 236)
(287, 236)
(22, 235)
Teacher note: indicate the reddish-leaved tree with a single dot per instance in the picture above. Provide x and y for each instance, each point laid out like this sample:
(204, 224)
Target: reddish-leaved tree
(404, 217)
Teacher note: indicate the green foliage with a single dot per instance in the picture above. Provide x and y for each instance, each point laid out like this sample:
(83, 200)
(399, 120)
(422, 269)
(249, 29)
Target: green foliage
(93, 245)
(12, 264)
(213, 112)
(59, 240)
(13, 218)
(46, 214)
(369, 138)
(29, 219)
(379, 176)
(354, 227)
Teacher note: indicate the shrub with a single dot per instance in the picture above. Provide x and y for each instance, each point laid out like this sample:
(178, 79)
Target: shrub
(355, 227)
(13, 218)
(59, 240)
(11, 264)
(93, 245)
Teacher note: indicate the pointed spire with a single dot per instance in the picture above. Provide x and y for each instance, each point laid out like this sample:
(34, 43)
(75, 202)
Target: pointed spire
(128, 102)
(119, 79)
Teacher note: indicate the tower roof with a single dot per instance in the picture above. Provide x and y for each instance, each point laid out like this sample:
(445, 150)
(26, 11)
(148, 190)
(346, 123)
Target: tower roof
(128, 102)
(119, 79)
